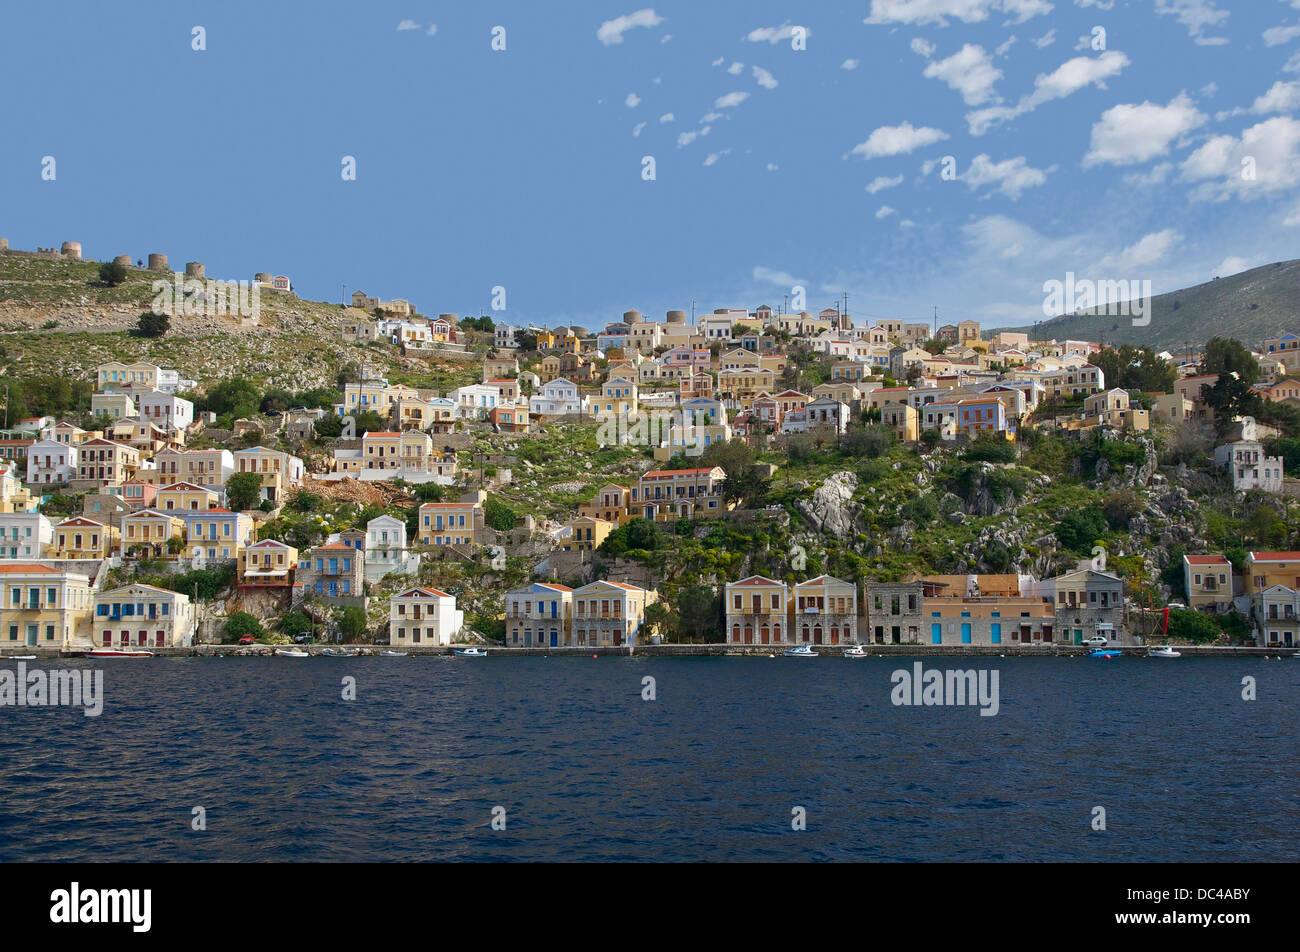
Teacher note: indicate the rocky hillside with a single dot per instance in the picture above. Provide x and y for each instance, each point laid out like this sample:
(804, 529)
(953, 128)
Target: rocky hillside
(1250, 306)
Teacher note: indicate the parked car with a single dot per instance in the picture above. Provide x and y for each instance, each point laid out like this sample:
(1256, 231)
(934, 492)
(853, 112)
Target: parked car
(1096, 641)
(247, 640)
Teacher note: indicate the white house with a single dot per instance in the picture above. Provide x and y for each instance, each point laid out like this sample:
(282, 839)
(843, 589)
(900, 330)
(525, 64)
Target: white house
(1245, 460)
(166, 410)
(423, 616)
(49, 461)
(386, 550)
(24, 535)
(559, 397)
(142, 615)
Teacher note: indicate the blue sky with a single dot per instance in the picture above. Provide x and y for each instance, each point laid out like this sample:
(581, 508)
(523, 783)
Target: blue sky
(774, 166)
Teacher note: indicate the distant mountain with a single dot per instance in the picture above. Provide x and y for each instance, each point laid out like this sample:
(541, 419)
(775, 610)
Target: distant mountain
(1251, 306)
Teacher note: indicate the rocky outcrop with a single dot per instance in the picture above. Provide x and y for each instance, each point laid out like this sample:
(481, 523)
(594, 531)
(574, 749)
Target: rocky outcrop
(830, 508)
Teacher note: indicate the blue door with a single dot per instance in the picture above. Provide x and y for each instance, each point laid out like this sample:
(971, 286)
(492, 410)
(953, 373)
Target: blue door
(936, 634)
(997, 633)
(555, 638)
(965, 633)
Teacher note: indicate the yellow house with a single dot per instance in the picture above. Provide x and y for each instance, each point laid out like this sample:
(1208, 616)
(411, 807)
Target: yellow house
(41, 606)
(743, 383)
(82, 538)
(609, 505)
(618, 397)
(148, 531)
(609, 613)
(586, 534)
(185, 497)
(904, 420)
(1208, 582)
(104, 461)
(142, 615)
(449, 523)
(269, 562)
(115, 376)
(280, 471)
(550, 368)
(757, 611)
(1266, 569)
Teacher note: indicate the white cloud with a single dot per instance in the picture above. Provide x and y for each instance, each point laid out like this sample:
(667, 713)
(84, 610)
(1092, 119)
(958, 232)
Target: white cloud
(665, 38)
(1277, 35)
(636, 130)
(922, 47)
(882, 182)
(730, 100)
(1156, 175)
(712, 158)
(1147, 251)
(938, 11)
(611, 31)
(1065, 80)
(719, 61)
(849, 64)
(408, 25)
(632, 101)
(1197, 16)
(667, 117)
(782, 278)
(686, 138)
(1281, 97)
(1010, 177)
(764, 78)
(1233, 264)
(1127, 134)
(775, 34)
(1293, 64)
(735, 69)
(897, 140)
(1001, 50)
(772, 166)
(711, 117)
(1099, 4)
(433, 30)
(1263, 162)
(884, 211)
(1046, 40)
(970, 71)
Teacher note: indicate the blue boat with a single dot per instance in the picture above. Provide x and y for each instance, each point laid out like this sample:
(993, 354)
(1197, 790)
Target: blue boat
(1101, 653)
(470, 653)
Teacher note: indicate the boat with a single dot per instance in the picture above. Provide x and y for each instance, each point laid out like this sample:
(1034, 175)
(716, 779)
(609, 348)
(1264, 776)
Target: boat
(291, 653)
(20, 657)
(119, 653)
(1104, 653)
(473, 653)
(393, 654)
(339, 653)
(1164, 651)
(802, 651)
(856, 651)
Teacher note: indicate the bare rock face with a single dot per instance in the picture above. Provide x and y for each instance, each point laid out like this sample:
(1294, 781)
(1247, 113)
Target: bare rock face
(831, 507)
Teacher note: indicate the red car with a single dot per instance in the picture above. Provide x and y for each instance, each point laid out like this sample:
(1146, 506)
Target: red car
(246, 640)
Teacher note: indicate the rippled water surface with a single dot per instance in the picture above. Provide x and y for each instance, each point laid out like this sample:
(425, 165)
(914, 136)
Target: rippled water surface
(711, 770)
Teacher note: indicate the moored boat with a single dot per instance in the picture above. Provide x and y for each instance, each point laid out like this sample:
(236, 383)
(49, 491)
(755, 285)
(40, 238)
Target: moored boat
(470, 653)
(339, 653)
(1103, 653)
(291, 653)
(393, 654)
(856, 651)
(801, 651)
(20, 657)
(1164, 651)
(119, 653)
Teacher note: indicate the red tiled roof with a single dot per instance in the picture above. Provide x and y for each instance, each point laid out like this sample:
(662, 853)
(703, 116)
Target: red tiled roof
(1275, 556)
(1206, 560)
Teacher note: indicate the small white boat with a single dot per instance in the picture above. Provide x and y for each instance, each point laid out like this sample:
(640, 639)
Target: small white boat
(119, 653)
(802, 651)
(470, 653)
(339, 653)
(1164, 651)
(393, 654)
(291, 653)
(856, 651)
(20, 657)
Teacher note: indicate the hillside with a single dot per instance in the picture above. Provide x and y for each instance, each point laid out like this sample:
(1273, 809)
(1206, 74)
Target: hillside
(1249, 306)
(57, 318)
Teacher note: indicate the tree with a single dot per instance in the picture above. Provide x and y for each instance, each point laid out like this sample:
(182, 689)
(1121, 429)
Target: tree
(242, 623)
(498, 515)
(369, 422)
(1189, 625)
(699, 610)
(235, 397)
(744, 483)
(352, 624)
(869, 441)
(1225, 355)
(526, 340)
(1080, 529)
(243, 491)
(1135, 368)
(153, 324)
(112, 273)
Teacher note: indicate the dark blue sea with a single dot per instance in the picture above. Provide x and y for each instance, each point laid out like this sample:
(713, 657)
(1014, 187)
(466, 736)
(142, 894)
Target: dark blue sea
(585, 769)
